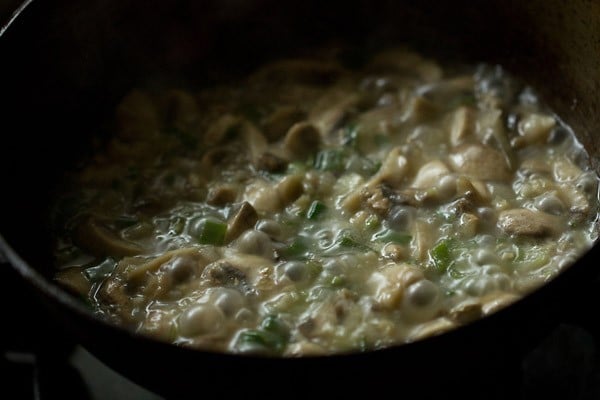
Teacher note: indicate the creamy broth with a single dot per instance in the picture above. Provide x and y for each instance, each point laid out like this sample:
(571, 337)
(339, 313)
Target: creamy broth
(314, 208)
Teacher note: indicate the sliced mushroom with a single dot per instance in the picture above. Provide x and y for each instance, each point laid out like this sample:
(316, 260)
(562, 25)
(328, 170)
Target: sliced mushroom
(491, 131)
(332, 110)
(525, 222)
(497, 301)
(221, 194)
(481, 162)
(74, 280)
(271, 163)
(468, 225)
(255, 142)
(576, 201)
(423, 240)
(225, 274)
(389, 284)
(431, 328)
(533, 128)
(289, 188)
(263, 196)
(243, 218)
(280, 121)
(449, 90)
(135, 269)
(99, 240)
(472, 190)
(393, 170)
(224, 127)
(375, 200)
(249, 273)
(419, 109)
(429, 175)
(466, 311)
(564, 170)
(462, 126)
(302, 140)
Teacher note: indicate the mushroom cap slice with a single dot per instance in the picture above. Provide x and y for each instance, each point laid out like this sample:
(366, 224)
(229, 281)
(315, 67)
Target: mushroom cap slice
(481, 162)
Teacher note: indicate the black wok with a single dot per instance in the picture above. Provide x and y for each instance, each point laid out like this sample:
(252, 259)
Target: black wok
(65, 64)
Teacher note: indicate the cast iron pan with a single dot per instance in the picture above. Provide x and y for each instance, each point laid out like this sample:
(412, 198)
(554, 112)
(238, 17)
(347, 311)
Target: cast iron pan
(65, 64)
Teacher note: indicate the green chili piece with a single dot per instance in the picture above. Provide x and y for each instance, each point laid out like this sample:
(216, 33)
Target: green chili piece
(212, 231)
(440, 255)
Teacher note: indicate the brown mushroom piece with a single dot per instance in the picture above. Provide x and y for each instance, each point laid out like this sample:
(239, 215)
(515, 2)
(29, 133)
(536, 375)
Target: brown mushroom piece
(333, 109)
(389, 284)
(533, 128)
(462, 127)
(393, 170)
(99, 240)
(525, 222)
(243, 218)
(74, 280)
(419, 109)
(481, 162)
(280, 121)
(136, 269)
(221, 194)
(449, 91)
(221, 129)
(466, 311)
(302, 140)
(430, 174)
(289, 188)
(271, 163)
(248, 273)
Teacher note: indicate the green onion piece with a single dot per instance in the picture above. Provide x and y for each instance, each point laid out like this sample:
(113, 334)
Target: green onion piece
(440, 255)
(212, 231)
(100, 271)
(330, 160)
(337, 281)
(350, 242)
(390, 235)
(297, 249)
(372, 222)
(275, 325)
(316, 210)
(272, 337)
(350, 136)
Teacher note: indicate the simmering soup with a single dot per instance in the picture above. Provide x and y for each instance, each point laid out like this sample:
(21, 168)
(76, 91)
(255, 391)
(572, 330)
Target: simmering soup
(317, 208)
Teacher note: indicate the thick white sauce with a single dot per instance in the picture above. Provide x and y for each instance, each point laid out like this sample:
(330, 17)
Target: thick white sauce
(313, 209)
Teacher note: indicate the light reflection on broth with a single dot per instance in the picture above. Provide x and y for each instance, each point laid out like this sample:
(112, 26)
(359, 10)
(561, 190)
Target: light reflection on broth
(314, 208)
